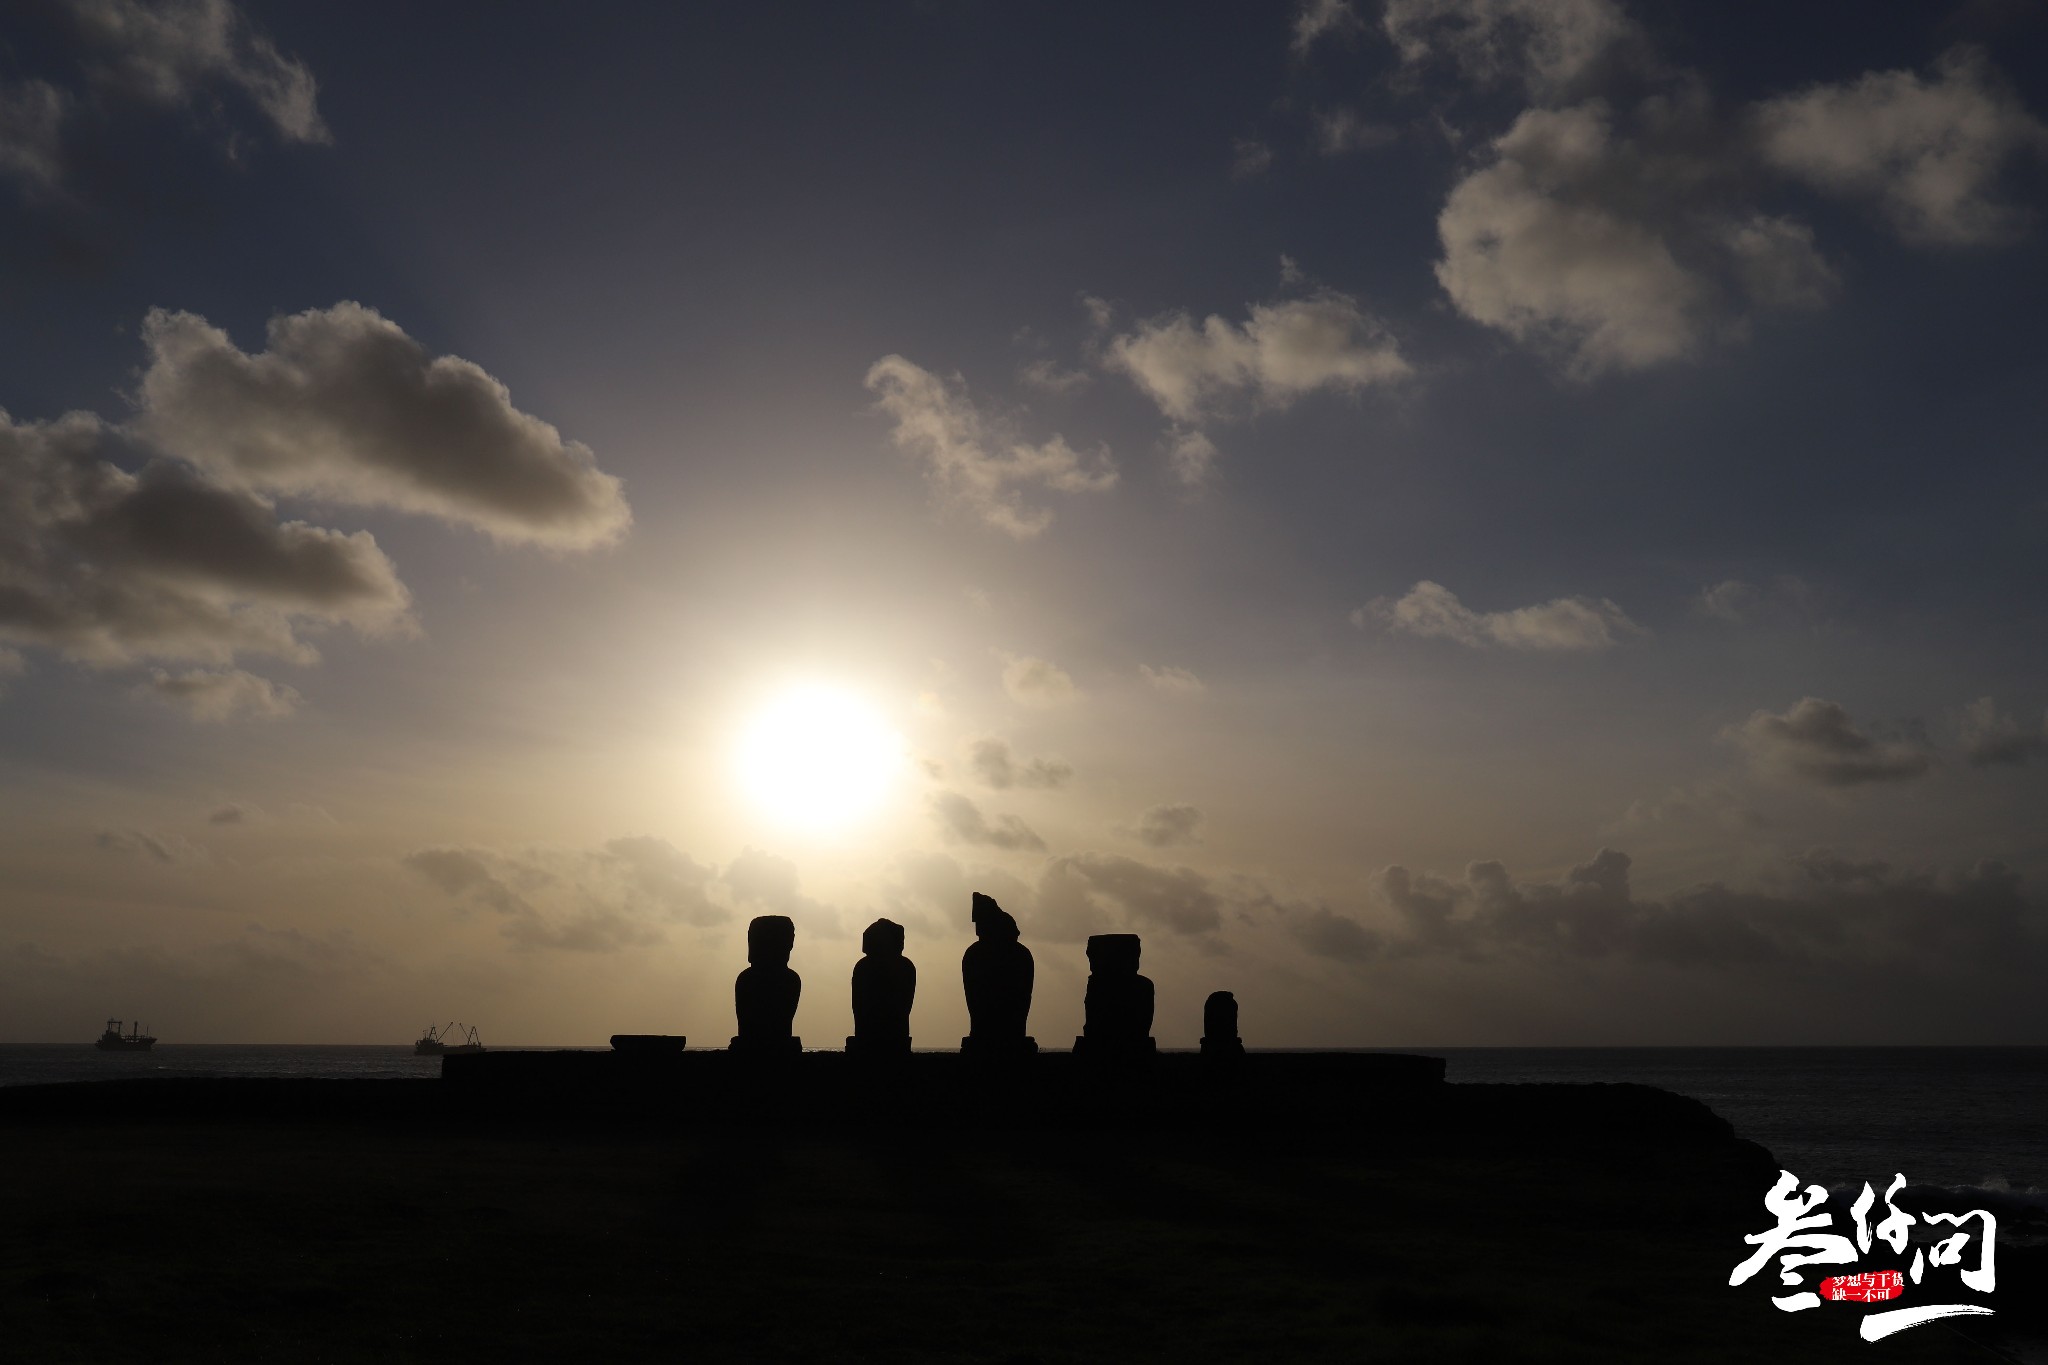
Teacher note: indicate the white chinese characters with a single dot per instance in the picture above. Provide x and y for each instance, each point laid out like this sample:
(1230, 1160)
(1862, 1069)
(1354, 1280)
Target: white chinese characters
(1800, 1240)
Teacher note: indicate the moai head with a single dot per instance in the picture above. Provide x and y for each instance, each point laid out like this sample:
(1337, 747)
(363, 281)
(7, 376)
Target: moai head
(991, 920)
(1113, 954)
(769, 939)
(1219, 1015)
(883, 938)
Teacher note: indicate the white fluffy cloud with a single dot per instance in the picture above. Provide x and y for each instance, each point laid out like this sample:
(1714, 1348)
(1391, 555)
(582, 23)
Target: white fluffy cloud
(1283, 351)
(971, 459)
(1928, 151)
(170, 51)
(344, 406)
(229, 694)
(1617, 253)
(1816, 741)
(109, 566)
(1543, 45)
(1564, 623)
(159, 540)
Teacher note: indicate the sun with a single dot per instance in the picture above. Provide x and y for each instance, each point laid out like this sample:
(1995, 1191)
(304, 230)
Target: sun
(817, 757)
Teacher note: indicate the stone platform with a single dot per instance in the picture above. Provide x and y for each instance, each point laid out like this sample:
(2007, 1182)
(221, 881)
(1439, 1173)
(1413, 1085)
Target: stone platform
(1048, 1089)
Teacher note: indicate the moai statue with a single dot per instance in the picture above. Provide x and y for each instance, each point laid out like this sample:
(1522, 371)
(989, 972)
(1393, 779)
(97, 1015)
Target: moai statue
(997, 972)
(765, 994)
(1119, 1001)
(1219, 1026)
(884, 983)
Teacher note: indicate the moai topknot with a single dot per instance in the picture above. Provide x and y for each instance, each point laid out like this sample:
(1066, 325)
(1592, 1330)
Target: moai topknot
(1219, 1026)
(997, 971)
(765, 994)
(1119, 1001)
(884, 984)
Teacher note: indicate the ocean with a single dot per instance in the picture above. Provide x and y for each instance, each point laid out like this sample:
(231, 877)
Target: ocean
(1959, 1117)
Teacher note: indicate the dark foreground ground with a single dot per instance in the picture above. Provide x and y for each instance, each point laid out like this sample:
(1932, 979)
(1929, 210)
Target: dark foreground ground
(324, 1221)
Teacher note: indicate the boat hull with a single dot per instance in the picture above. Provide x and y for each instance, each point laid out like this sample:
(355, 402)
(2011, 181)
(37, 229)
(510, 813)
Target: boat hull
(125, 1044)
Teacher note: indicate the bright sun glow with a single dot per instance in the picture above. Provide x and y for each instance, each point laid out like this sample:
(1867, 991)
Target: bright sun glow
(818, 757)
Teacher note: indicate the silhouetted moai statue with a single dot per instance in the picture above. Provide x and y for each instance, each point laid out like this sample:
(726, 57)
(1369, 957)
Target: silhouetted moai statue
(765, 994)
(1219, 1026)
(884, 983)
(1119, 1001)
(997, 971)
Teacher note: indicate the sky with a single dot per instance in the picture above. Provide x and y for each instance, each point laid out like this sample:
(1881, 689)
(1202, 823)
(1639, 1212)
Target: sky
(1463, 522)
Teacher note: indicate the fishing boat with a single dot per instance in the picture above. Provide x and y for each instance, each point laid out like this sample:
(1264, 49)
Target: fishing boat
(446, 1040)
(136, 1039)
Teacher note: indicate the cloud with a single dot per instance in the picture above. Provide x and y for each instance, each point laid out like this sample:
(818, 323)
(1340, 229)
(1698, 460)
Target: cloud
(1339, 132)
(233, 813)
(992, 761)
(1048, 377)
(1248, 157)
(1928, 152)
(1564, 623)
(1320, 19)
(1175, 682)
(1821, 911)
(765, 883)
(343, 406)
(1705, 804)
(602, 900)
(1545, 46)
(228, 695)
(1618, 253)
(1169, 825)
(1283, 351)
(1325, 933)
(1093, 891)
(961, 821)
(109, 566)
(1037, 682)
(32, 115)
(1191, 457)
(1990, 736)
(593, 930)
(1785, 600)
(169, 52)
(158, 539)
(1729, 600)
(972, 460)
(462, 872)
(168, 850)
(1815, 741)
(661, 878)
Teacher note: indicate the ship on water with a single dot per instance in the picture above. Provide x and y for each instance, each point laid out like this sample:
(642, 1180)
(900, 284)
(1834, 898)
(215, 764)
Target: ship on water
(136, 1039)
(449, 1038)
